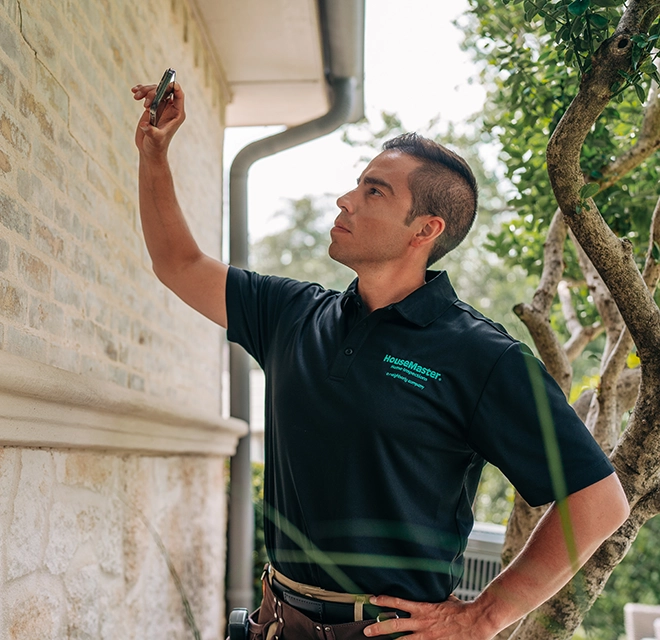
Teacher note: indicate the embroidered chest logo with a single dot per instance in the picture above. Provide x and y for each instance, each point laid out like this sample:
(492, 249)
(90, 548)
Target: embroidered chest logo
(410, 372)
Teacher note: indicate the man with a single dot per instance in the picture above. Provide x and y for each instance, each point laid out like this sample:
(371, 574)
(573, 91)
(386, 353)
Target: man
(382, 405)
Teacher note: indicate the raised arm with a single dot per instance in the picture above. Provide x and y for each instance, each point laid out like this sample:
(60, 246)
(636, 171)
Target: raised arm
(178, 262)
(541, 569)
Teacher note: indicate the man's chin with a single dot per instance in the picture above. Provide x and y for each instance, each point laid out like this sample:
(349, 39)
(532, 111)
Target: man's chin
(335, 254)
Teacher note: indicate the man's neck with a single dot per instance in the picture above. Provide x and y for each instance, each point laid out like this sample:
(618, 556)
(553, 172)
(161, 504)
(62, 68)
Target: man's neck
(380, 287)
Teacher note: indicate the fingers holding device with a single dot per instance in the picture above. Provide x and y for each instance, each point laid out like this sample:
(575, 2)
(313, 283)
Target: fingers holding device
(164, 94)
(163, 114)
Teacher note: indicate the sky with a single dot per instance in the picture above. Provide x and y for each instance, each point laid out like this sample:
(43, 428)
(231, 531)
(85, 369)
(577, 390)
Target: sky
(413, 67)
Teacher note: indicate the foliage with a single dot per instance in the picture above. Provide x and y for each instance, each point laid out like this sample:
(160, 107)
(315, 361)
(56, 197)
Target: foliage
(300, 250)
(636, 579)
(533, 54)
(494, 499)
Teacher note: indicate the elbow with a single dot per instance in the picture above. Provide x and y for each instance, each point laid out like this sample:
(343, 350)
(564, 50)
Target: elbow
(160, 272)
(618, 506)
(165, 274)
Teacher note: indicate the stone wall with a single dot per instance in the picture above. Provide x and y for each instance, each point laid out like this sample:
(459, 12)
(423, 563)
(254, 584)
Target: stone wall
(79, 561)
(77, 294)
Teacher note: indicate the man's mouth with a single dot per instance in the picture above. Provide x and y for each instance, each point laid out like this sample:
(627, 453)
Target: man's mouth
(340, 227)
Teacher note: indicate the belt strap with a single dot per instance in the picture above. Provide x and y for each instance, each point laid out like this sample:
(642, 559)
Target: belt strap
(358, 600)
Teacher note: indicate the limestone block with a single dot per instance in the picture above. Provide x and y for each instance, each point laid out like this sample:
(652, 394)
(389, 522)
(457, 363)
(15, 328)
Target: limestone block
(109, 541)
(4, 255)
(95, 471)
(13, 300)
(34, 610)
(29, 527)
(27, 345)
(9, 465)
(13, 214)
(85, 603)
(63, 539)
(5, 163)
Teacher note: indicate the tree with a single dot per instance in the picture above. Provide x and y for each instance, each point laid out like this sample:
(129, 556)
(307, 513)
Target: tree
(636, 579)
(578, 129)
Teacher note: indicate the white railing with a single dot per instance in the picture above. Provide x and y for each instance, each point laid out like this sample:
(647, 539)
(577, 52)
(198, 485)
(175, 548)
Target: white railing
(482, 559)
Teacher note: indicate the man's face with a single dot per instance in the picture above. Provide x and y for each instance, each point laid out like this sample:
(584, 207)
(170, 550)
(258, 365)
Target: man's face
(371, 226)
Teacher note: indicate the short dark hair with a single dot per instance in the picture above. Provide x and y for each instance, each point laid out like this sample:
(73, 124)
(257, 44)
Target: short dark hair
(443, 186)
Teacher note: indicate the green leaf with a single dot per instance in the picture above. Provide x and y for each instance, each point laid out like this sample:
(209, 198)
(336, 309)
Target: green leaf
(589, 190)
(579, 7)
(530, 10)
(564, 33)
(600, 22)
(578, 208)
(607, 3)
(648, 67)
(578, 26)
(641, 92)
(655, 252)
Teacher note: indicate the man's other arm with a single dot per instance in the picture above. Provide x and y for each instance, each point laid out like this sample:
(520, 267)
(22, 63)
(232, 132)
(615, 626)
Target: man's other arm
(541, 569)
(178, 262)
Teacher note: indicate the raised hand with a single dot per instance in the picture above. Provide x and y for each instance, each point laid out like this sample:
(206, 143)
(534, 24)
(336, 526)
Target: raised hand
(153, 142)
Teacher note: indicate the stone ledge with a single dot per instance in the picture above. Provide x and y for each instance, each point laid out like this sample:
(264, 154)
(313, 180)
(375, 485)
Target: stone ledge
(42, 406)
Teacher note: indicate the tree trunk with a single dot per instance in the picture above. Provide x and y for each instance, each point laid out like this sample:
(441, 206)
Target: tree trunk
(636, 455)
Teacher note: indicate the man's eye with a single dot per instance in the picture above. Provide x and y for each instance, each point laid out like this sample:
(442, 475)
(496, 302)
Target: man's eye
(374, 192)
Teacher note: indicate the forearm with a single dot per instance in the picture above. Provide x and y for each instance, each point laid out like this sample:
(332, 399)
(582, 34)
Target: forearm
(545, 564)
(540, 571)
(167, 236)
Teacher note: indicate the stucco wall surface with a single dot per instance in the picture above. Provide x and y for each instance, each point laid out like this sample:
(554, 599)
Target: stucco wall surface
(77, 560)
(76, 286)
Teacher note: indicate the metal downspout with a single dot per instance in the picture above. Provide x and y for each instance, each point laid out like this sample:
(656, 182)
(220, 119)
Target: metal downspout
(241, 514)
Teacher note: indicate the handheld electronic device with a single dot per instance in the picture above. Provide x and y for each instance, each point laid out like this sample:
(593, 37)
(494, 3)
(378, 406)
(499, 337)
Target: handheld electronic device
(163, 94)
(238, 624)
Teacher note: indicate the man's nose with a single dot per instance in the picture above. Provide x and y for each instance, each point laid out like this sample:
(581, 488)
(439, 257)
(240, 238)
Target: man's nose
(344, 202)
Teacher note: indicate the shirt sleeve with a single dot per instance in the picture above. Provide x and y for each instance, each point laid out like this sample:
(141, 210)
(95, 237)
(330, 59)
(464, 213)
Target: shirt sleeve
(524, 426)
(256, 304)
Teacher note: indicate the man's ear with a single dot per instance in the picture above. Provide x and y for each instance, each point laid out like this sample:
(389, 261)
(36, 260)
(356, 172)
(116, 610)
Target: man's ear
(432, 228)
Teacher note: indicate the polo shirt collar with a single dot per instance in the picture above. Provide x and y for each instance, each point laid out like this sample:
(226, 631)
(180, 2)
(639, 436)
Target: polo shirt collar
(423, 305)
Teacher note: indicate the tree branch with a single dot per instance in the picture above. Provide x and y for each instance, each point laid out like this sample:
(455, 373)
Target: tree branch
(612, 257)
(627, 390)
(602, 298)
(605, 422)
(647, 143)
(536, 315)
(651, 272)
(580, 336)
(564, 612)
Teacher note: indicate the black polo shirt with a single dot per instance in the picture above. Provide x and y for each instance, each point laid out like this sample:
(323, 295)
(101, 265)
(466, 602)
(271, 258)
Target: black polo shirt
(378, 426)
